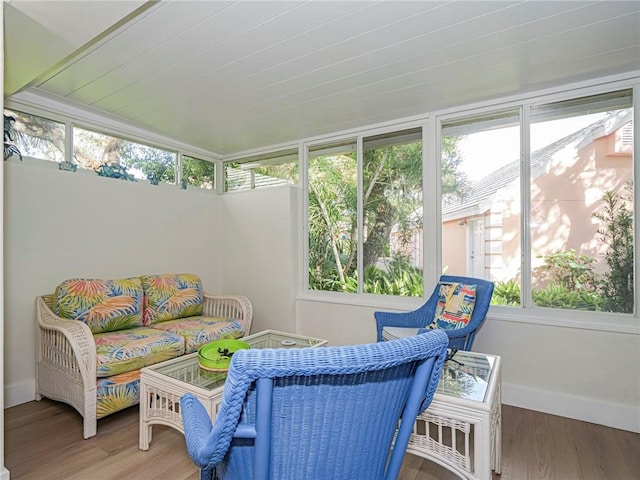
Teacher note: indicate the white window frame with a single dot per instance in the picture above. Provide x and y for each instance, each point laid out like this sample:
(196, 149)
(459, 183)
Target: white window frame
(70, 116)
(431, 123)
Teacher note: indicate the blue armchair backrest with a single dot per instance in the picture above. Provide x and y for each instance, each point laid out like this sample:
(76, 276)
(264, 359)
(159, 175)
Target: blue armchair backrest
(316, 413)
(422, 317)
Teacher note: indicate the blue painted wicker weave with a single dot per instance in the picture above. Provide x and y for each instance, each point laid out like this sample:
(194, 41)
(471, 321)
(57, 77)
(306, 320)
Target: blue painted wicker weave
(423, 316)
(316, 413)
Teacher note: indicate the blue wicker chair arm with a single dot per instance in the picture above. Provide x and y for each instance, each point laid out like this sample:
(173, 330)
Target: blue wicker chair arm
(197, 430)
(413, 319)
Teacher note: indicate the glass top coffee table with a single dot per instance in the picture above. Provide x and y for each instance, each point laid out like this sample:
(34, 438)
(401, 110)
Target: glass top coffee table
(162, 385)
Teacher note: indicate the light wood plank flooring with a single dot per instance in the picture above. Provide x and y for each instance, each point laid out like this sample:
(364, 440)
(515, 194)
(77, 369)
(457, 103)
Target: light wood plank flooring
(43, 440)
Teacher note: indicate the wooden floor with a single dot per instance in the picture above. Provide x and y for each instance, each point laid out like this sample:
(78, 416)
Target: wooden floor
(43, 441)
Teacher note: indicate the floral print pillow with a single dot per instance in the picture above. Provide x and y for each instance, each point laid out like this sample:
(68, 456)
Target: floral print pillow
(171, 296)
(455, 305)
(104, 305)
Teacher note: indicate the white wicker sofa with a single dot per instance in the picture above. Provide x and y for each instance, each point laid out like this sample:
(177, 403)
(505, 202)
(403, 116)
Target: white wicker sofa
(94, 336)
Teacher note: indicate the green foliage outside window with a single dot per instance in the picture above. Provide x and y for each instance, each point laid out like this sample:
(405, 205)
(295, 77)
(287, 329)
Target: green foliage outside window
(617, 286)
(154, 163)
(198, 173)
(392, 212)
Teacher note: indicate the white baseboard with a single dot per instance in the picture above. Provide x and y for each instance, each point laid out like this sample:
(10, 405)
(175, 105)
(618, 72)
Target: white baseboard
(615, 415)
(20, 392)
(4, 473)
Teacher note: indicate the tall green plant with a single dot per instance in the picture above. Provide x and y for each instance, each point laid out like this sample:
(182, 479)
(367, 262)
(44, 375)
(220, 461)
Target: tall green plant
(617, 233)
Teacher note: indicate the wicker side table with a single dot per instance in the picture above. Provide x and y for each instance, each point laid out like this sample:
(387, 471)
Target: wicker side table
(461, 429)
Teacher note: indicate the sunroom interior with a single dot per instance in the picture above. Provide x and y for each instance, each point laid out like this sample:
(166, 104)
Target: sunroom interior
(228, 82)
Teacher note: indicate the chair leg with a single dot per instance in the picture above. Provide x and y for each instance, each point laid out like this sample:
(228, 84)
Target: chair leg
(207, 475)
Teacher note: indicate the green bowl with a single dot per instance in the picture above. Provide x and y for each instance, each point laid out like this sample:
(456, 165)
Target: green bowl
(216, 356)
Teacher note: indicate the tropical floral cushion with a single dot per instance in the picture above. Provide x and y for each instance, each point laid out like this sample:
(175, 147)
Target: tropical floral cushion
(171, 296)
(455, 305)
(197, 331)
(128, 350)
(117, 393)
(104, 305)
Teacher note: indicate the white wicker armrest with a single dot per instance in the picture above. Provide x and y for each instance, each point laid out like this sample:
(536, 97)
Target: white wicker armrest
(66, 363)
(67, 344)
(237, 307)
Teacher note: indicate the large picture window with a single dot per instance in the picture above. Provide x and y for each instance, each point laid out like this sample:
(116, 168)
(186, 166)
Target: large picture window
(375, 207)
(581, 186)
(480, 184)
(332, 217)
(536, 197)
(579, 208)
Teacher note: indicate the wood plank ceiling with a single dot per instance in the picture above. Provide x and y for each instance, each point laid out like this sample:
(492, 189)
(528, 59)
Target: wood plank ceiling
(230, 76)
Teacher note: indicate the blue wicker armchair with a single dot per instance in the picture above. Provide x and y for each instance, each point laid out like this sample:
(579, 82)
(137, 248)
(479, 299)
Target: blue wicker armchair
(393, 325)
(316, 413)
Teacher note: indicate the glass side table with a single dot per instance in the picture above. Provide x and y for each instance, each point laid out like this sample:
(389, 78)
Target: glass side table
(461, 429)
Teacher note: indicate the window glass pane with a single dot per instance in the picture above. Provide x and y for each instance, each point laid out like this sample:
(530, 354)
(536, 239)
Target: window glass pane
(259, 171)
(35, 136)
(392, 201)
(93, 150)
(480, 174)
(332, 217)
(582, 204)
(199, 173)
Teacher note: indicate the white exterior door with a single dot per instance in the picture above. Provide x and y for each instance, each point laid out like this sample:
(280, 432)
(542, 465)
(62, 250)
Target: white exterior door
(476, 260)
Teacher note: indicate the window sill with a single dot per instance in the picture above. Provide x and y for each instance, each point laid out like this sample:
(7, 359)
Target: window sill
(601, 321)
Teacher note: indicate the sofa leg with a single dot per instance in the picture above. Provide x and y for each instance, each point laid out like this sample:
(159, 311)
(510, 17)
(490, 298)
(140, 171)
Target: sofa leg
(89, 428)
(90, 417)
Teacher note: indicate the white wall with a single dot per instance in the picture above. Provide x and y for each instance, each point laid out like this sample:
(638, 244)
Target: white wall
(577, 373)
(259, 257)
(584, 374)
(60, 225)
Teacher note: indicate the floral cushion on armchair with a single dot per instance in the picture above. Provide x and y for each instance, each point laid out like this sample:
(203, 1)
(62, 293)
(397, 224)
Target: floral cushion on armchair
(171, 296)
(104, 305)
